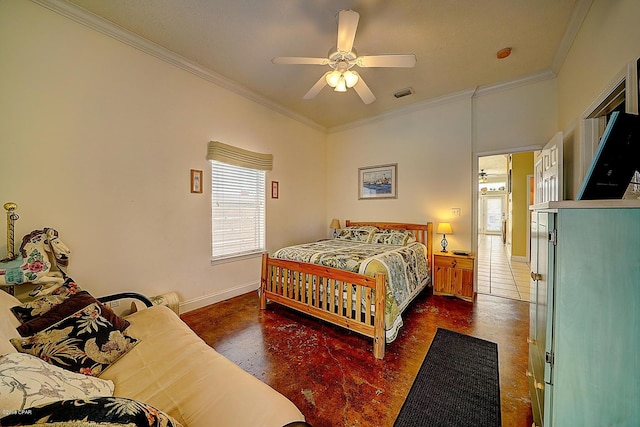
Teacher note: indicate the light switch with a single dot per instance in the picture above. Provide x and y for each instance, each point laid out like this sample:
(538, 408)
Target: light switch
(455, 211)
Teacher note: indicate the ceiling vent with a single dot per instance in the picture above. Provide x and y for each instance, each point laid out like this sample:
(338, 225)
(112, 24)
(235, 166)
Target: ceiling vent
(403, 92)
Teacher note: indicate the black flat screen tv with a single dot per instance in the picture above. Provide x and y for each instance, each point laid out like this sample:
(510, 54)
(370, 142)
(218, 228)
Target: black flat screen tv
(616, 160)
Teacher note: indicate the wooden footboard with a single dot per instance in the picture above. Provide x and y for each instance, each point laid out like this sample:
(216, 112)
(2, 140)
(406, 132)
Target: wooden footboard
(336, 296)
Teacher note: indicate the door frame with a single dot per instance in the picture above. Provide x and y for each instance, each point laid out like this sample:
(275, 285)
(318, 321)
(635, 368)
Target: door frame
(475, 191)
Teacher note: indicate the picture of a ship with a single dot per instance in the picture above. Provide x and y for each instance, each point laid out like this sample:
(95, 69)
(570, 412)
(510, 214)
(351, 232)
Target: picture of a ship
(377, 182)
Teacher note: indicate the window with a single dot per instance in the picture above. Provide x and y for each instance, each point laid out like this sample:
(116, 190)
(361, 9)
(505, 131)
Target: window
(238, 210)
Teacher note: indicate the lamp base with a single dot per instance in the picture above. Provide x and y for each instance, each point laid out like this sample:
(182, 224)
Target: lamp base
(444, 243)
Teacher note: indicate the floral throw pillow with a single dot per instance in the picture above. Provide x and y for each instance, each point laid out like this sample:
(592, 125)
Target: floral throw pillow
(27, 381)
(85, 342)
(101, 411)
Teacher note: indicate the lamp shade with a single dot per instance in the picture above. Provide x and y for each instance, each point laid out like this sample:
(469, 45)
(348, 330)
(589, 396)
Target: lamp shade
(334, 224)
(332, 78)
(444, 228)
(350, 78)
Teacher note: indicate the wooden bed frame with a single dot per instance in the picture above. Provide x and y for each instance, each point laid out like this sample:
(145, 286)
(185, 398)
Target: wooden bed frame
(285, 281)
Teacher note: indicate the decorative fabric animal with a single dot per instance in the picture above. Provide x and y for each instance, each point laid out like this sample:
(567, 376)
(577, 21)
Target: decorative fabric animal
(42, 253)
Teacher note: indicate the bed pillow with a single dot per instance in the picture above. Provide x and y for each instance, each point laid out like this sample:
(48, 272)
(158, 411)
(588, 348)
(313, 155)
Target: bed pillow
(393, 237)
(32, 309)
(357, 233)
(66, 308)
(111, 411)
(27, 381)
(84, 342)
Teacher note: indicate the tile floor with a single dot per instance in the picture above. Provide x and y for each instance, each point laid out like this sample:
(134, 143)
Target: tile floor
(497, 275)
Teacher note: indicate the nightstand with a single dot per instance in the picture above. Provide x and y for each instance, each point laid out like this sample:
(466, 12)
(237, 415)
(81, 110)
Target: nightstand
(453, 275)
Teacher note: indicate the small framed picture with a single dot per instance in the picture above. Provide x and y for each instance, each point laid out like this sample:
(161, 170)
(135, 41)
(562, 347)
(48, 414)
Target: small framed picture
(275, 189)
(378, 182)
(196, 181)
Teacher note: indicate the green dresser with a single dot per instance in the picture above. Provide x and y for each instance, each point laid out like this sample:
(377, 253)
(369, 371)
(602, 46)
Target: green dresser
(584, 356)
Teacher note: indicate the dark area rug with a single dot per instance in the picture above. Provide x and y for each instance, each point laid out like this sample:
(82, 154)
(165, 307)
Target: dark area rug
(457, 385)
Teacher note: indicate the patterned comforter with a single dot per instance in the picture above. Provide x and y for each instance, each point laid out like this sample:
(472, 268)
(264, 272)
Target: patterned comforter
(406, 269)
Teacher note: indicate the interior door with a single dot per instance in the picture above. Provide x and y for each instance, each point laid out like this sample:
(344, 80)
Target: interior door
(548, 171)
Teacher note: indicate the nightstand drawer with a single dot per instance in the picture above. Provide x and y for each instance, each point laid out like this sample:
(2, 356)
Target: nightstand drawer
(445, 261)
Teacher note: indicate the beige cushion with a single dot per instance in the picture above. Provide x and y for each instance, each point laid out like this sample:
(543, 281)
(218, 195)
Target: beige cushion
(172, 369)
(8, 322)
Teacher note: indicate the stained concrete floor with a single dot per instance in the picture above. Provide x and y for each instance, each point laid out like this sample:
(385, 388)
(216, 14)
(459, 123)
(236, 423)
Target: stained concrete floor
(331, 374)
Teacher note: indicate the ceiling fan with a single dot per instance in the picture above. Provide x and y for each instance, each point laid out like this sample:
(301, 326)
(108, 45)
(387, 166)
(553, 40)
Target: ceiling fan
(343, 58)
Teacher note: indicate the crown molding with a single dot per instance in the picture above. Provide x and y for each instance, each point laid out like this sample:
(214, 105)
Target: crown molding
(445, 99)
(97, 23)
(511, 84)
(456, 96)
(578, 15)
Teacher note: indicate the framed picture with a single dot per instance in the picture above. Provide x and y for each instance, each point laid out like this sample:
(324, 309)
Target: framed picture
(196, 181)
(378, 182)
(275, 191)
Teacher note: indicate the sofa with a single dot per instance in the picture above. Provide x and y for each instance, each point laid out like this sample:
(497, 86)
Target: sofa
(167, 370)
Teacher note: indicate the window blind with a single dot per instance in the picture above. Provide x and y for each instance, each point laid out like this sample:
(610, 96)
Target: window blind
(238, 209)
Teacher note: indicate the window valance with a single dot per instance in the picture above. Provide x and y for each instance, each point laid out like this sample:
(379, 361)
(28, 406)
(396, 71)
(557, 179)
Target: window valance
(239, 157)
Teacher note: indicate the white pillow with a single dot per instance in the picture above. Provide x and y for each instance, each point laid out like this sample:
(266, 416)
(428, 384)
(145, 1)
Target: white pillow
(27, 381)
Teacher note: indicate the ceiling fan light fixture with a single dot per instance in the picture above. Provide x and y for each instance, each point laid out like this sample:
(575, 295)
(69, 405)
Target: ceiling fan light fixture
(350, 78)
(333, 78)
(344, 57)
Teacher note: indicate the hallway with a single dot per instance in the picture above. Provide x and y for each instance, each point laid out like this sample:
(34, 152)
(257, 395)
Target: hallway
(497, 275)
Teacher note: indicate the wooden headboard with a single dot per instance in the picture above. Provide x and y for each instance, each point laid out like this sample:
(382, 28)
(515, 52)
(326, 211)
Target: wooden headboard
(423, 232)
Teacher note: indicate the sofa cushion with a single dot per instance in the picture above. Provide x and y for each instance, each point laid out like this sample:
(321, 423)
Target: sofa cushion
(100, 411)
(173, 369)
(8, 323)
(66, 308)
(83, 342)
(27, 381)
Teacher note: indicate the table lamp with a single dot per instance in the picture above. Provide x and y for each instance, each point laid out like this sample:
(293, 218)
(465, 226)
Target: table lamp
(335, 224)
(444, 228)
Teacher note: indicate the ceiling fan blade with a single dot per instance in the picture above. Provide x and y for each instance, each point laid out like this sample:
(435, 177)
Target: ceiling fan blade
(347, 26)
(364, 92)
(296, 60)
(406, 61)
(316, 88)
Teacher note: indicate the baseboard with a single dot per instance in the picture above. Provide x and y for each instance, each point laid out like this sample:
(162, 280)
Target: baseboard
(519, 259)
(206, 300)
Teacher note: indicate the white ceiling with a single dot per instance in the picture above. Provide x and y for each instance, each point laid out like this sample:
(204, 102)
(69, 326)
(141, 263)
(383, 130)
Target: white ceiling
(496, 167)
(455, 42)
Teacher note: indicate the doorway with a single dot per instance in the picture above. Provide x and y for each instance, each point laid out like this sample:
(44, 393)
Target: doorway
(503, 225)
